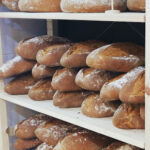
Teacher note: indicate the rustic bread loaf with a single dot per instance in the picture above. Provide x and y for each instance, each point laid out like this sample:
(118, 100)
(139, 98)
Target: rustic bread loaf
(136, 5)
(64, 80)
(42, 90)
(51, 55)
(120, 57)
(11, 4)
(28, 48)
(44, 146)
(15, 66)
(91, 6)
(127, 116)
(77, 53)
(69, 99)
(93, 79)
(20, 85)
(114, 86)
(134, 90)
(93, 106)
(42, 71)
(142, 112)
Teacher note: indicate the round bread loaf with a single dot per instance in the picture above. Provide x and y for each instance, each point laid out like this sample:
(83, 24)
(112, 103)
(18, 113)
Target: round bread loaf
(40, 5)
(142, 112)
(77, 53)
(93, 106)
(120, 57)
(11, 4)
(64, 80)
(91, 5)
(127, 116)
(44, 146)
(136, 5)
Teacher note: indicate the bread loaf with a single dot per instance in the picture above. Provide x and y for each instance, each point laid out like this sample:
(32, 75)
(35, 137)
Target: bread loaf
(69, 99)
(28, 48)
(11, 4)
(42, 71)
(134, 90)
(40, 5)
(93, 106)
(142, 112)
(91, 6)
(120, 57)
(92, 79)
(50, 56)
(15, 66)
(136, 5)
(127, 116)
(114, 86)
(20, 85)
(77, 53)
(44, 146)
(64, 80)
(42, 90)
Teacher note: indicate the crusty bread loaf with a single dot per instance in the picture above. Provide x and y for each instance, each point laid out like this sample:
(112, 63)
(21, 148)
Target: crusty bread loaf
(21, 144)
(20, 85)
(42, 71)
(42, 90)
(15, 66)
(77, 53)
(114, 86)
(84, 140)
(51, 55)
(127, 116)
(93, 106)
(69, 99)
(40, 5)
(91, 6)
(142, 112)
(26, 128)
(92, 79)
(44, 146)
(136, 5)
(28, 48)
(64, 80)
(120, 57)
(11, 4)
(134, 90)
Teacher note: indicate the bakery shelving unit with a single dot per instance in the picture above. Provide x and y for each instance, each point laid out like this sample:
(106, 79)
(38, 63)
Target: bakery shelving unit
(139, 138)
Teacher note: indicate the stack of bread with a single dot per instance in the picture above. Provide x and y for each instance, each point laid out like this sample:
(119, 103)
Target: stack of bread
(41, 132)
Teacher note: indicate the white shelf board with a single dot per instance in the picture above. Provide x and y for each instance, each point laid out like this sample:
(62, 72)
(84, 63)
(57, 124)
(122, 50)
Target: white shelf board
(121, 17)
(73, 115)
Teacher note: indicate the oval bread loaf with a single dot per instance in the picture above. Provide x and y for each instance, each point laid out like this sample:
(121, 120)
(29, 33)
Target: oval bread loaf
(136, 5)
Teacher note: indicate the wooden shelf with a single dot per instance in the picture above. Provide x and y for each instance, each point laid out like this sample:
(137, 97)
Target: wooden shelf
(122, 17)
(74, 116)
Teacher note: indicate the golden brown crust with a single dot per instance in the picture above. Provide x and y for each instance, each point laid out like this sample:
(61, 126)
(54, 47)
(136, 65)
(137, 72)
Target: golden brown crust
(120, 57)
(51, 55)
(44, 146)
(42, 90)
(69, 99)
(20, 85)
(77, 53)
(142, 112)
(11, 4)
(136, 5)
(127, 116)
(64, 80)
(93, 106)
(15, 66)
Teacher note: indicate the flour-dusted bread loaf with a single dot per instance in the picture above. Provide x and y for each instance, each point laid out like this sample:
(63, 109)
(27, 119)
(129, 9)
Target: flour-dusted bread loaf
(42, 71)
(93, 79)
(64, 80)
(69, 99)
(42, 90)
(136, 5)
(89, 6)
(51, 55)
(120, 57)
(11, 4)
(142, 112)
(44, 146)
(127, 116)
(93, 106)
(28, 48)
(22, 144)
(111, 89)
(77, 53)
(16, 66)
(20, 85)
(83, 140)
(134, 90)
(40, 5)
